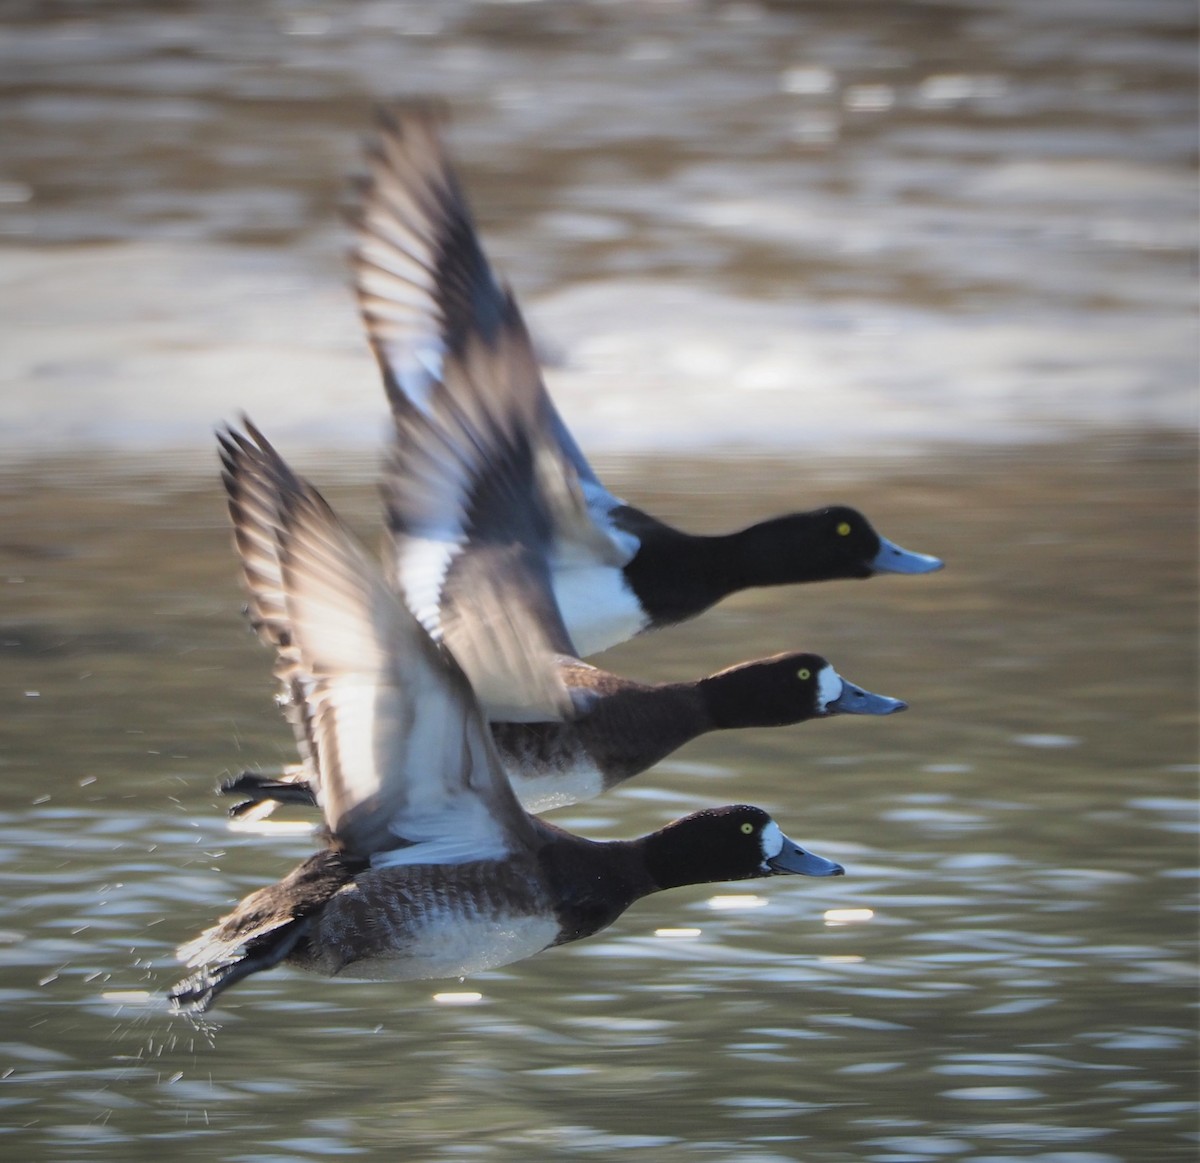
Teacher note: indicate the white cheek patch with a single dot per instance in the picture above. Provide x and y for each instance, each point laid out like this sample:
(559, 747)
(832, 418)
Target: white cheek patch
(771, 841)
(829, 687)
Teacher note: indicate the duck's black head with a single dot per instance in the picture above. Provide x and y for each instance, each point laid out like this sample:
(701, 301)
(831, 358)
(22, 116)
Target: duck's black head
(824, 544)
(731, 843)
(788, 688)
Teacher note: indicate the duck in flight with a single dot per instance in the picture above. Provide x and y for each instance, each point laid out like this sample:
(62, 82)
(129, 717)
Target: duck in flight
(628, 727)
(426, 290)
(473, 507)
(431, 868)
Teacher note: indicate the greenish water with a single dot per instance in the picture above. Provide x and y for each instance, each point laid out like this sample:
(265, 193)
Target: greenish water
(1024, 836)
(826, 226)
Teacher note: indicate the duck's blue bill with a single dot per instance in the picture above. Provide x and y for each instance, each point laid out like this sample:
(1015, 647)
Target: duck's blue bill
(794, 859)
(892, 559)
(855, 701)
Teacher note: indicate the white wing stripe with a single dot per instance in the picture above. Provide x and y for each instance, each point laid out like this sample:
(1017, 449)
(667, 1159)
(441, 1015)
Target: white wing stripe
(423, 564)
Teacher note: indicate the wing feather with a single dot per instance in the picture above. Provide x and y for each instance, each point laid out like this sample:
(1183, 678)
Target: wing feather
(485, 487)
(386, 719)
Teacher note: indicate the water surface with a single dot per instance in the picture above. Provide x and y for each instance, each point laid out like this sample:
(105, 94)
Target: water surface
(934, 259)
(1024, 839)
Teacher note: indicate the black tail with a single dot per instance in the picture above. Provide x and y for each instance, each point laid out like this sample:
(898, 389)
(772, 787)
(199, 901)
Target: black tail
(196, 993)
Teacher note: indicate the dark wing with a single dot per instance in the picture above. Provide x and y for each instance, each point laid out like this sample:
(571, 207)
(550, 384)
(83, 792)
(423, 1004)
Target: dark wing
(486, 488)
(253, 511)
(423, 280)
(473, 501)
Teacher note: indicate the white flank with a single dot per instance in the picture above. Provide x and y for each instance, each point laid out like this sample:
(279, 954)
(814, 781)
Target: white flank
(598, 607)
(543, 791)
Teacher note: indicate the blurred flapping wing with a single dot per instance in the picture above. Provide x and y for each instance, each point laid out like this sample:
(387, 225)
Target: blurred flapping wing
(485, 487)
(404, 764)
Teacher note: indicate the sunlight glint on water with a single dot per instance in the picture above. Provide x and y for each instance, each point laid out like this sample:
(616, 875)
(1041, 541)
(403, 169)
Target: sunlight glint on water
(1006, 968)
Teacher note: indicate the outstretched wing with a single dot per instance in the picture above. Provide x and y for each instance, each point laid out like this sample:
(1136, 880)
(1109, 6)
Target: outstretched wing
(405, 770)
(472, 501)
(482, 461)
(422, 278)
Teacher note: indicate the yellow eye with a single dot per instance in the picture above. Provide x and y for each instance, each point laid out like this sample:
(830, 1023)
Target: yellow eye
(844, 529)
(804, 673)
(747, 829)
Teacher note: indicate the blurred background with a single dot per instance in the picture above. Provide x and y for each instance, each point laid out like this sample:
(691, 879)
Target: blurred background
(813, 224)
(936, 260)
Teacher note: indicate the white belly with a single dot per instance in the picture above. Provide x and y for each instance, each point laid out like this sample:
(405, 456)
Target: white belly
(457, 947)
(544, 791)
(598, 607)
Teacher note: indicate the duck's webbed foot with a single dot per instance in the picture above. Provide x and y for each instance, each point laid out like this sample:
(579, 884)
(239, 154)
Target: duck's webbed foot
(259, 788)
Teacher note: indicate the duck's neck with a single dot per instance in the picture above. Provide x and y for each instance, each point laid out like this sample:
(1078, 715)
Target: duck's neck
(675, 575)
(630, 729)
(595, 880)
(673, 858)
(643, 724)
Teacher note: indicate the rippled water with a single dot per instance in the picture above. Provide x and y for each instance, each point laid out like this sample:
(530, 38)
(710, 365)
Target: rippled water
(849, 228)
(1024, 839)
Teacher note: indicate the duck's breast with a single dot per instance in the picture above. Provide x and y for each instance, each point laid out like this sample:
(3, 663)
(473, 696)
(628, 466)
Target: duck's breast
(547, 764)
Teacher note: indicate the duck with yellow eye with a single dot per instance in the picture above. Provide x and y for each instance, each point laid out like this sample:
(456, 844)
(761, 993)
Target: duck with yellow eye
(676, 575)
(426, 290)
(629, 727)
(430, 867)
